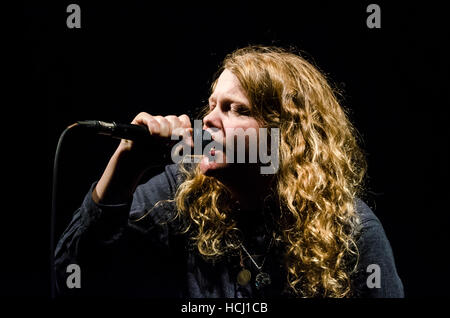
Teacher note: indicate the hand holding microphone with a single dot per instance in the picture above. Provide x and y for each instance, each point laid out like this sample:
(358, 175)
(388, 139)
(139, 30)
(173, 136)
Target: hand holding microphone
(161, 130)
(145, 147)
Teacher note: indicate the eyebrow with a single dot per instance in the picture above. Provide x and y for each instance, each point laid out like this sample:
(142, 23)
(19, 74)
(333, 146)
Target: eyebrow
(228, 97)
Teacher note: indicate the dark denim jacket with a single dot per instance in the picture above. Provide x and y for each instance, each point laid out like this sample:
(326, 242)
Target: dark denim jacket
(150, 258)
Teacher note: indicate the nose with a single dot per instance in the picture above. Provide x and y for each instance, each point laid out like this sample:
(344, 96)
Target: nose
(213, 119)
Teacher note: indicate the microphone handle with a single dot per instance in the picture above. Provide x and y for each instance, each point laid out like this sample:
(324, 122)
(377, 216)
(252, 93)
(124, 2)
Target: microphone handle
(116, 130)
(133, 132)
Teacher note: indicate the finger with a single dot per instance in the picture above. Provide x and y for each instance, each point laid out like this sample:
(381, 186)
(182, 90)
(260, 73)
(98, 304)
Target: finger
(145, 119)
(164, 126)
(175, 125)
(188, 131)
(188, 139)
(185, 121)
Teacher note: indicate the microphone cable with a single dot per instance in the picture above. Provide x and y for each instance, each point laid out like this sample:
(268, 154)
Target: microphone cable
(55, 180)
(116, 130)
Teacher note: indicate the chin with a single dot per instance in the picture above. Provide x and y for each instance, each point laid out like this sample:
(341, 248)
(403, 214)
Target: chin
(211, 168)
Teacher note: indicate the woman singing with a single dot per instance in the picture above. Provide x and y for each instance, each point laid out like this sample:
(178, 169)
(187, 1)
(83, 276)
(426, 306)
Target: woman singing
(221, 228)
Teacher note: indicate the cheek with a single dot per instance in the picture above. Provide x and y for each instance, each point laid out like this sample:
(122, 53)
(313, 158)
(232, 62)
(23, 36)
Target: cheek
(251, 127)
(245, 123)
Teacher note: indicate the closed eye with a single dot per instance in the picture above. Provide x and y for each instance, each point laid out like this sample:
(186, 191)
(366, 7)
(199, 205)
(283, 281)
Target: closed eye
(241, 110)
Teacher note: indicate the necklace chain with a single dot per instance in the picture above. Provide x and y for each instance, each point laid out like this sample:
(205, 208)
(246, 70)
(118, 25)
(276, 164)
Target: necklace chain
(251, 258)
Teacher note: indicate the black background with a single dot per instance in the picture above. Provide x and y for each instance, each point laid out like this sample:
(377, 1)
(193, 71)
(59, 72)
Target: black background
(140, 56)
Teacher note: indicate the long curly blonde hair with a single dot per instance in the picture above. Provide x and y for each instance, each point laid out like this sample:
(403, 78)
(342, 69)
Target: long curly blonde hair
(320, 174)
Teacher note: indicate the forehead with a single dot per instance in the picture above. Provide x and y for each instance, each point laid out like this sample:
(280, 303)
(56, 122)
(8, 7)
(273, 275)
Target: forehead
(229, 87)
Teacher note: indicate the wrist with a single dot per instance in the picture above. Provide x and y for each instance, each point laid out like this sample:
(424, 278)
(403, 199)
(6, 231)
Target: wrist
(119, 180)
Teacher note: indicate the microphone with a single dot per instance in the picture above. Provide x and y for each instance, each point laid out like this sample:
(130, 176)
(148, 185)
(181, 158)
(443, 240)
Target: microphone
(133, 132)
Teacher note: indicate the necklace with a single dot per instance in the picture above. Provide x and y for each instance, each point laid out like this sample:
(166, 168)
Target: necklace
(262, 279)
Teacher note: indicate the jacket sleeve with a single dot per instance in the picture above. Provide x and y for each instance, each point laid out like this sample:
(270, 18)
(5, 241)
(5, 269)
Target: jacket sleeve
(377, 275)
(103, 240)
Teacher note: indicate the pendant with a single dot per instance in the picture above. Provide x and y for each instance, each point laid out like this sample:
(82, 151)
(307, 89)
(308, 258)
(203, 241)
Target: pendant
(244, 276)
(262, 280)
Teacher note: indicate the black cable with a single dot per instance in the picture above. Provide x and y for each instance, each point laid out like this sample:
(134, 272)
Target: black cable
(137, 133)
(53, 213)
